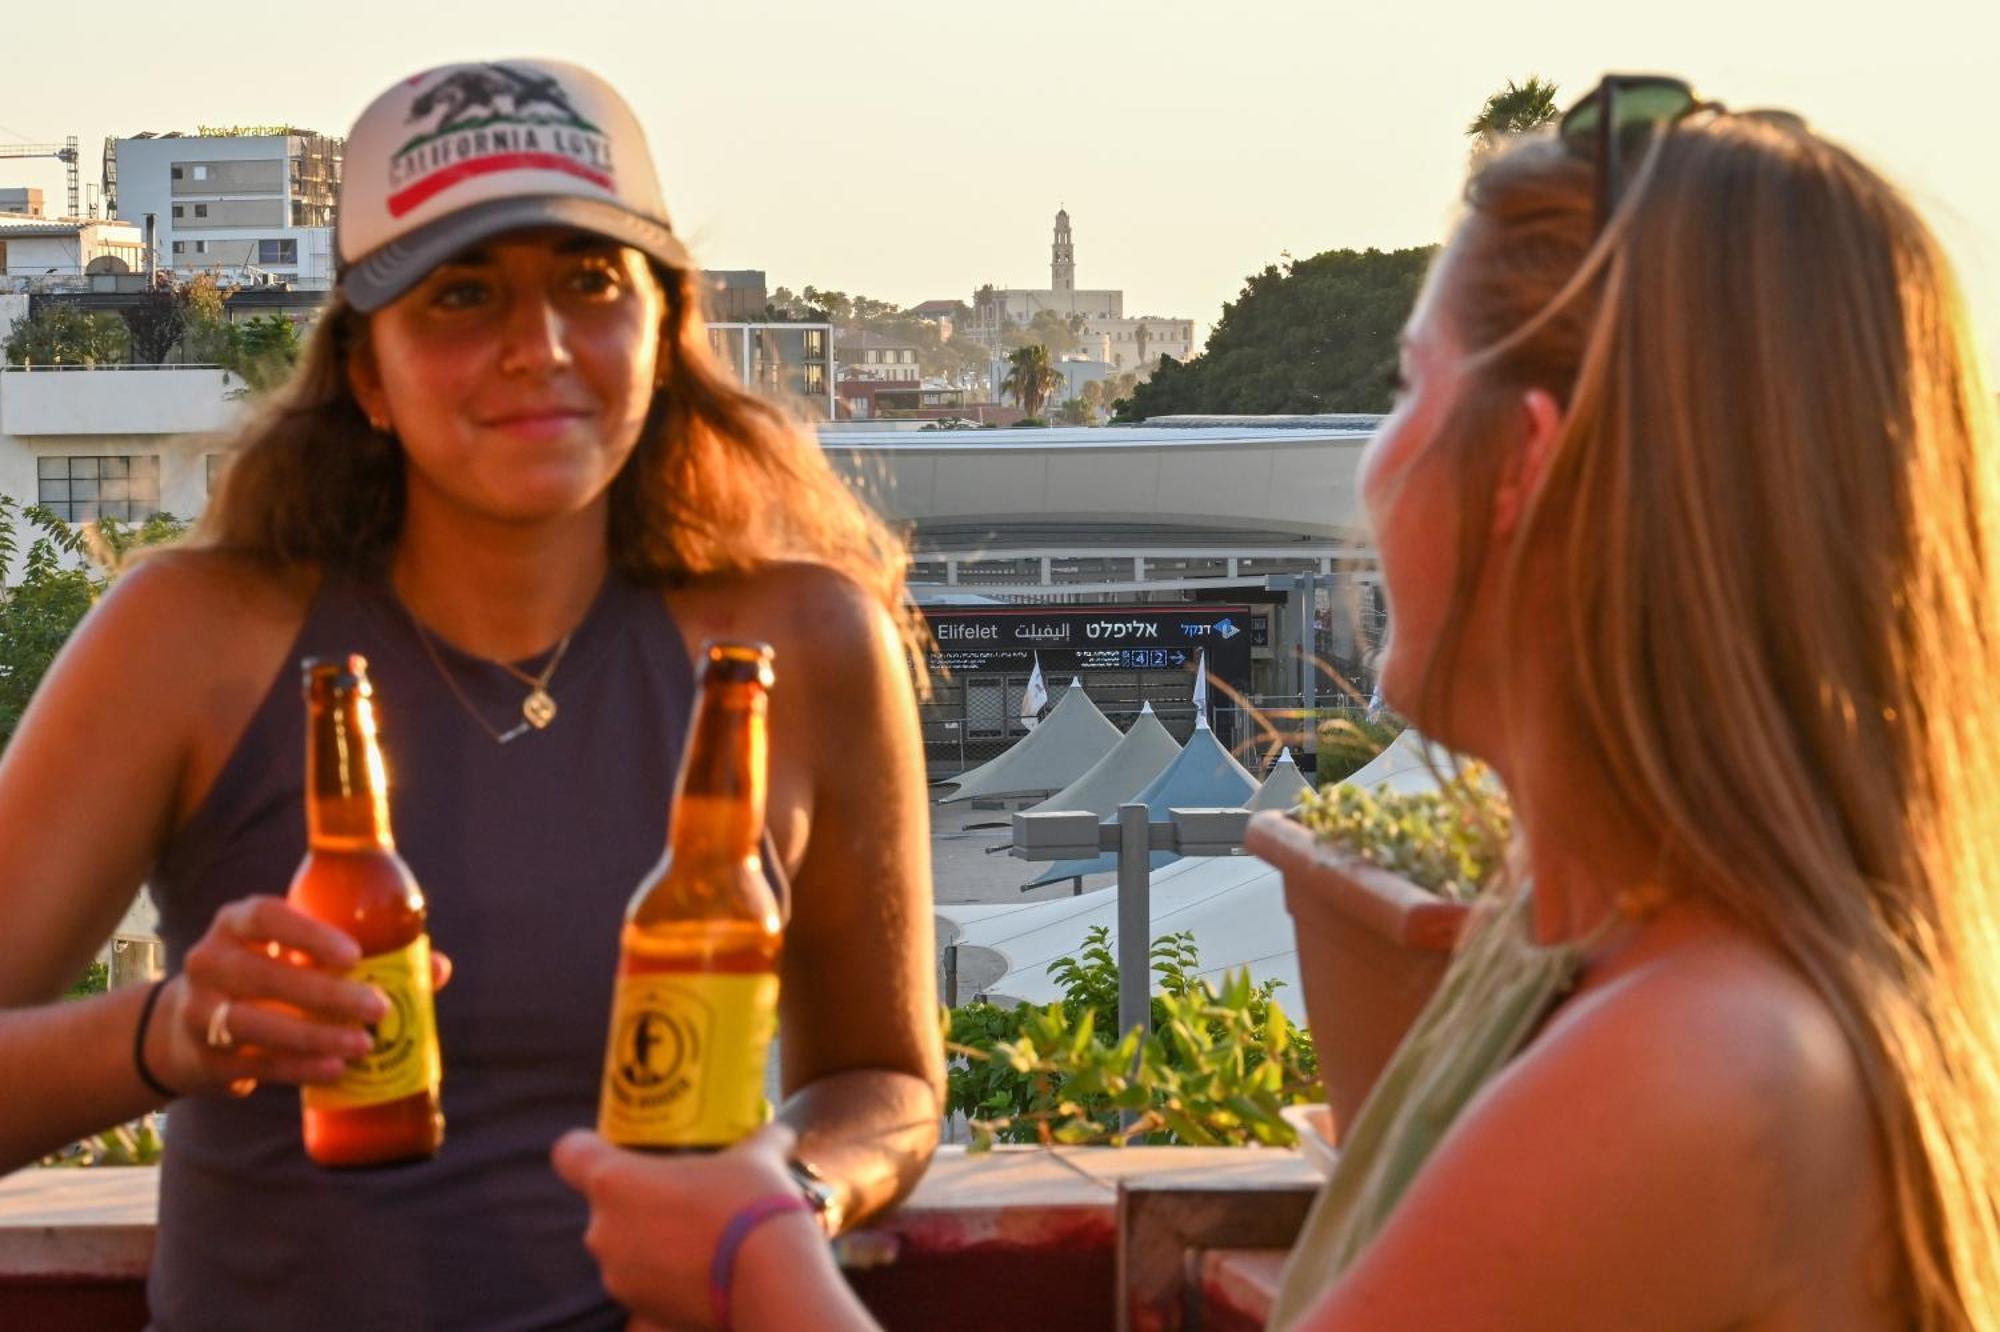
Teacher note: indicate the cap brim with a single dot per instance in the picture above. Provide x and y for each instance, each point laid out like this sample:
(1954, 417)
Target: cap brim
(378, 278)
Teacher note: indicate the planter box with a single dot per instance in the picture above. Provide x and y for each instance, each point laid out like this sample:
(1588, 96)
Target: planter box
(1372, 948)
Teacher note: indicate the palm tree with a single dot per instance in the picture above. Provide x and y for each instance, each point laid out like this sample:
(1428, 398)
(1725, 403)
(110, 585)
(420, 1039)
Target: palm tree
(1515, 109)
(1030, 377)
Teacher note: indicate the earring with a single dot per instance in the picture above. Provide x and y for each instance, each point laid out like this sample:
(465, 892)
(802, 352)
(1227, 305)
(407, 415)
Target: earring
(380, 425)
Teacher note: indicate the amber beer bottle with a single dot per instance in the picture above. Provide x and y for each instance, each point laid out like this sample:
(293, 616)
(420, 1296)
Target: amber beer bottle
(697, 990)
(385, 1107)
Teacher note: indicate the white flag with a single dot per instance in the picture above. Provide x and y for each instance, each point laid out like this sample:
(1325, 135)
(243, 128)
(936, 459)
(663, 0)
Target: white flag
(1201, 688)
(1036, 698)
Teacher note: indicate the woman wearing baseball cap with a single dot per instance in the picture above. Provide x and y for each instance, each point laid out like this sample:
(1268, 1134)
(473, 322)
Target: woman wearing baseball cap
(508, 463)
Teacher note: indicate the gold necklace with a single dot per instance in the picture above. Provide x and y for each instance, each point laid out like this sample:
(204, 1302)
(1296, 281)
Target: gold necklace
(538, 709)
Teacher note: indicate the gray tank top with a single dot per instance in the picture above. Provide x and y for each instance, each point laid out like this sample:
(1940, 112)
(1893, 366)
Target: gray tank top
(528, 853)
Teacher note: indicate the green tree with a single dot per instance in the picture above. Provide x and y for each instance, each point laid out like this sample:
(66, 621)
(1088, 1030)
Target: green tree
(206, 341)
(64, 570)
(1075, 411)
(263, 350)
(62, 335)
(1315, 335)
(1061, 334)
(1030, 377)
(155, 323)
(1516, 109)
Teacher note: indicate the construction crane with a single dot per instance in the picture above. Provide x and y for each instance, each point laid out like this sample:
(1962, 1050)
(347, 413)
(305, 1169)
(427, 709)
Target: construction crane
(64, 152)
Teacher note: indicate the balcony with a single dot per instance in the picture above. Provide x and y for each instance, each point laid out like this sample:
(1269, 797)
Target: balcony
(1150, 1239)
(115, 400)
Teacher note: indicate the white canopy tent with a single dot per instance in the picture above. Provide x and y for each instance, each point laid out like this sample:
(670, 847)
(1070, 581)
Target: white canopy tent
(1203, 775)
(1282, 789)
(1068, 743)
(1144, 752)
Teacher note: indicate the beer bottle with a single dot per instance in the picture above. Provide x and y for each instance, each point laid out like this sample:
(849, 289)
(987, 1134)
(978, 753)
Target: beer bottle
(385, 1107)
(697, 990)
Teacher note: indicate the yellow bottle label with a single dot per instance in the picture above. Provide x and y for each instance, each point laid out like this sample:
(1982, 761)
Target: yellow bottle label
(404, 1059)
(685, 1061)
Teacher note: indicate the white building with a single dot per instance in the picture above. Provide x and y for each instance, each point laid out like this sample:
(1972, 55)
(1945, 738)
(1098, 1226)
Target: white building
(37, 248)
(1133, 343)
(118, 442)
(870, 356)
(242, 205)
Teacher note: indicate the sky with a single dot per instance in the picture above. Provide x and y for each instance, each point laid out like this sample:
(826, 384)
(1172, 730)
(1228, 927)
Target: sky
(915, 149)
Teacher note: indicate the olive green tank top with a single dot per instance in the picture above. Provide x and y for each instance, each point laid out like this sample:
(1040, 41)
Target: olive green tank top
(1494, 995)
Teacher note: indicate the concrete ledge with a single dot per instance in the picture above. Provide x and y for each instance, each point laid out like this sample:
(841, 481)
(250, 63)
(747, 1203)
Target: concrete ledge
(1020, 1237)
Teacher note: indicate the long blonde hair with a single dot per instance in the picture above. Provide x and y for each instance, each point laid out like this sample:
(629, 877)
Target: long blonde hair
(1777, 509)
(721, 481)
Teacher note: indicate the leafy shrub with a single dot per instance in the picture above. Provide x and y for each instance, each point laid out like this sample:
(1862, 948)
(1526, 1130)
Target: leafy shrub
(134, 1144)
(1451, 840)
(1346, 744)
(96, 979)
(1219, 1065)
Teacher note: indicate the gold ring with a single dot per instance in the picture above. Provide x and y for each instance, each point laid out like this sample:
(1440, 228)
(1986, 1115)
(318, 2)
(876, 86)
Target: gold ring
(219, 1037)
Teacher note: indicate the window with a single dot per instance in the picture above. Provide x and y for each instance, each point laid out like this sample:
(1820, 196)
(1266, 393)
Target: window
(201, 210)
(277, 252)
(82, 490)
(176, 172)
(201, 247)
(177, 212)
(201, 173)
(180, 247)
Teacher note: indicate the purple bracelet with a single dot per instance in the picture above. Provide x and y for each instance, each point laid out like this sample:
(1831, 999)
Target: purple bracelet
(722, 1267)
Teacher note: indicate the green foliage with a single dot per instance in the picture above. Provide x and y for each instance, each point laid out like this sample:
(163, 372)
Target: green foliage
(262, 350)
(1217, 1069)
(1451, 840)
(63, 335)
(1075, 412)
(96, 979)
(1515, 109)
(1315, 335)
(156, 322)
(957, 361)
(1031, 377)
(1346, 744)
(133, 1144)
(1059, 334)
(58, 586)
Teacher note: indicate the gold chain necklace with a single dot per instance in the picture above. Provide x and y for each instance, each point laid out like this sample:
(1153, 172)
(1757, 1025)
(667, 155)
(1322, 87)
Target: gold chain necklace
(538, 709)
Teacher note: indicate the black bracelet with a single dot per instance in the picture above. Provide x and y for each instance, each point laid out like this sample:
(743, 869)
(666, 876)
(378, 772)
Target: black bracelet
(139, 1045)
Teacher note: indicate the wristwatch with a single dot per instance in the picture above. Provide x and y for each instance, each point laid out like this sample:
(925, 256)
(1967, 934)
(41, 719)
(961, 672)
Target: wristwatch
(819, 1193)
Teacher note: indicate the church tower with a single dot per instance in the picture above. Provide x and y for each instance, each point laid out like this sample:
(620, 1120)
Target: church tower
(1062, 261)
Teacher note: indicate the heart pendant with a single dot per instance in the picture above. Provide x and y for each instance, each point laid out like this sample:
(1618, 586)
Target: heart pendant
(539, 709)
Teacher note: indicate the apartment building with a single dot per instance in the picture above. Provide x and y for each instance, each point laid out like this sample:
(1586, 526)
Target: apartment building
(249, 206)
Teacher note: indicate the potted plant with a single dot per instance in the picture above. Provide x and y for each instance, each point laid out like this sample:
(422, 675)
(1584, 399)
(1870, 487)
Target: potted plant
(1379, 885)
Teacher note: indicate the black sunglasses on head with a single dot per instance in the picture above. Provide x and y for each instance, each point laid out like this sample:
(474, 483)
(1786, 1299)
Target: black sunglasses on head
(1613, 121)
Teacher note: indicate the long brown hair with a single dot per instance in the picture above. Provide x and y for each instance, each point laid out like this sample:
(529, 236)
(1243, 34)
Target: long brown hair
(721, 480)
(1776, 508)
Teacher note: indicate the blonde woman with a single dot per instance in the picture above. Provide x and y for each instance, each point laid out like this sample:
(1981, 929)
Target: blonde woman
(508, 471)
(1689, 518)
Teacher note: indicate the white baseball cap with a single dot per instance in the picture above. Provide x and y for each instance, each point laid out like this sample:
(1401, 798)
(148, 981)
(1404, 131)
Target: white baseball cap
(461, 153)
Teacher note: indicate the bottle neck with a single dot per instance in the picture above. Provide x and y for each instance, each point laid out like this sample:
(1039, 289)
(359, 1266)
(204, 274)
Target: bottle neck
(347, 786)
(719, 806)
